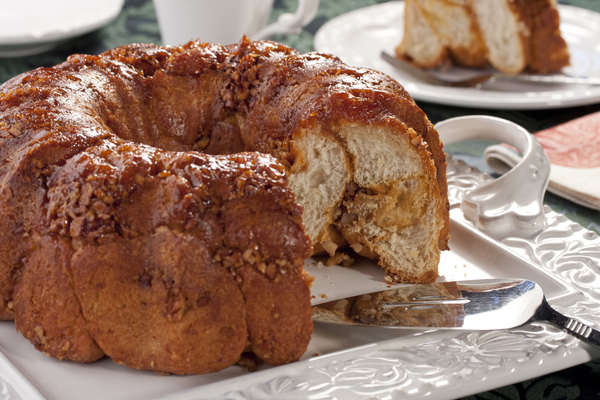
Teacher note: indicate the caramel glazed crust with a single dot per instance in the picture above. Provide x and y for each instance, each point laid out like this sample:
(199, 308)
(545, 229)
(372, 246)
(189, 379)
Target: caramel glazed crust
(119, 237)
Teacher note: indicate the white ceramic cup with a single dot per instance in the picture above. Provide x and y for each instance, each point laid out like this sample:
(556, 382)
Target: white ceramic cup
(226, 21)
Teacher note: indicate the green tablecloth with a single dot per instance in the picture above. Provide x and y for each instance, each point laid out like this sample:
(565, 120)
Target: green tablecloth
(137, 23)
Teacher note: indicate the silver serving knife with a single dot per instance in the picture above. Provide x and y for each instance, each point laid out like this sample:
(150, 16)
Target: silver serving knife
(479, 80)
(486, 304)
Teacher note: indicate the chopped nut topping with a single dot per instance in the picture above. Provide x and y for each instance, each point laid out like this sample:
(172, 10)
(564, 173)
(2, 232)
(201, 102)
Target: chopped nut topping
(329, 246)
(40, 333)
(348, 218)
(340, 258)
(357, 247)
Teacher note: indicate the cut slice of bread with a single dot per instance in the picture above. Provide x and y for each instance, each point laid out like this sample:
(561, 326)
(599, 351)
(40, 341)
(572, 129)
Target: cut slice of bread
(511, 35)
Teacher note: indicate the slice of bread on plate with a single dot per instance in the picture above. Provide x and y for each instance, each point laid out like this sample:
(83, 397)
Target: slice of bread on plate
(511, 35)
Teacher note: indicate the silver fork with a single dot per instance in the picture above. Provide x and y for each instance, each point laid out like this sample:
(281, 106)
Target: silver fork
(479, 82)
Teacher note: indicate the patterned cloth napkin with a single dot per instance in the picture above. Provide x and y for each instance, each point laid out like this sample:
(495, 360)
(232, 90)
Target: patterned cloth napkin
(574, 152)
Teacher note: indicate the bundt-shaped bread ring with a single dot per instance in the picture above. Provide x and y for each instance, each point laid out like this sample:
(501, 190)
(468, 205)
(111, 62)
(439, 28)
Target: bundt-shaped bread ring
(163, 260)
(118, 237)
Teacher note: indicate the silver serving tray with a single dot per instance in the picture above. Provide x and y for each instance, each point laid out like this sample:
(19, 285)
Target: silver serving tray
(354, 363)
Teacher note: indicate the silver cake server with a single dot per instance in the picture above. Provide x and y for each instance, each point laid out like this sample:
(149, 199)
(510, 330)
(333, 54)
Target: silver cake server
(487, 304)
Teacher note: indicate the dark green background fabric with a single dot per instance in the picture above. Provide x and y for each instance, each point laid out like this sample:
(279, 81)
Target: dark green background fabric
(137, 23)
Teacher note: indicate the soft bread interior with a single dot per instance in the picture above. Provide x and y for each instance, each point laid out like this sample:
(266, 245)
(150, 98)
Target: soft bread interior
(318, 178)
(395, 206)
(420, 43)
(455, 26)
(379, 155)
(503, 32)
(376, 186)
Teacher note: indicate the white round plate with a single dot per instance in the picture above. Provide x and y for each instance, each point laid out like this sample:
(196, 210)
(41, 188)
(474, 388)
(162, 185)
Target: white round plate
(33, 26)
(359, 37)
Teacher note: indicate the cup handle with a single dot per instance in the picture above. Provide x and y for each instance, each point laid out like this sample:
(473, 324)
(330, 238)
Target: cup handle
(511, 205)
(290, 23)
